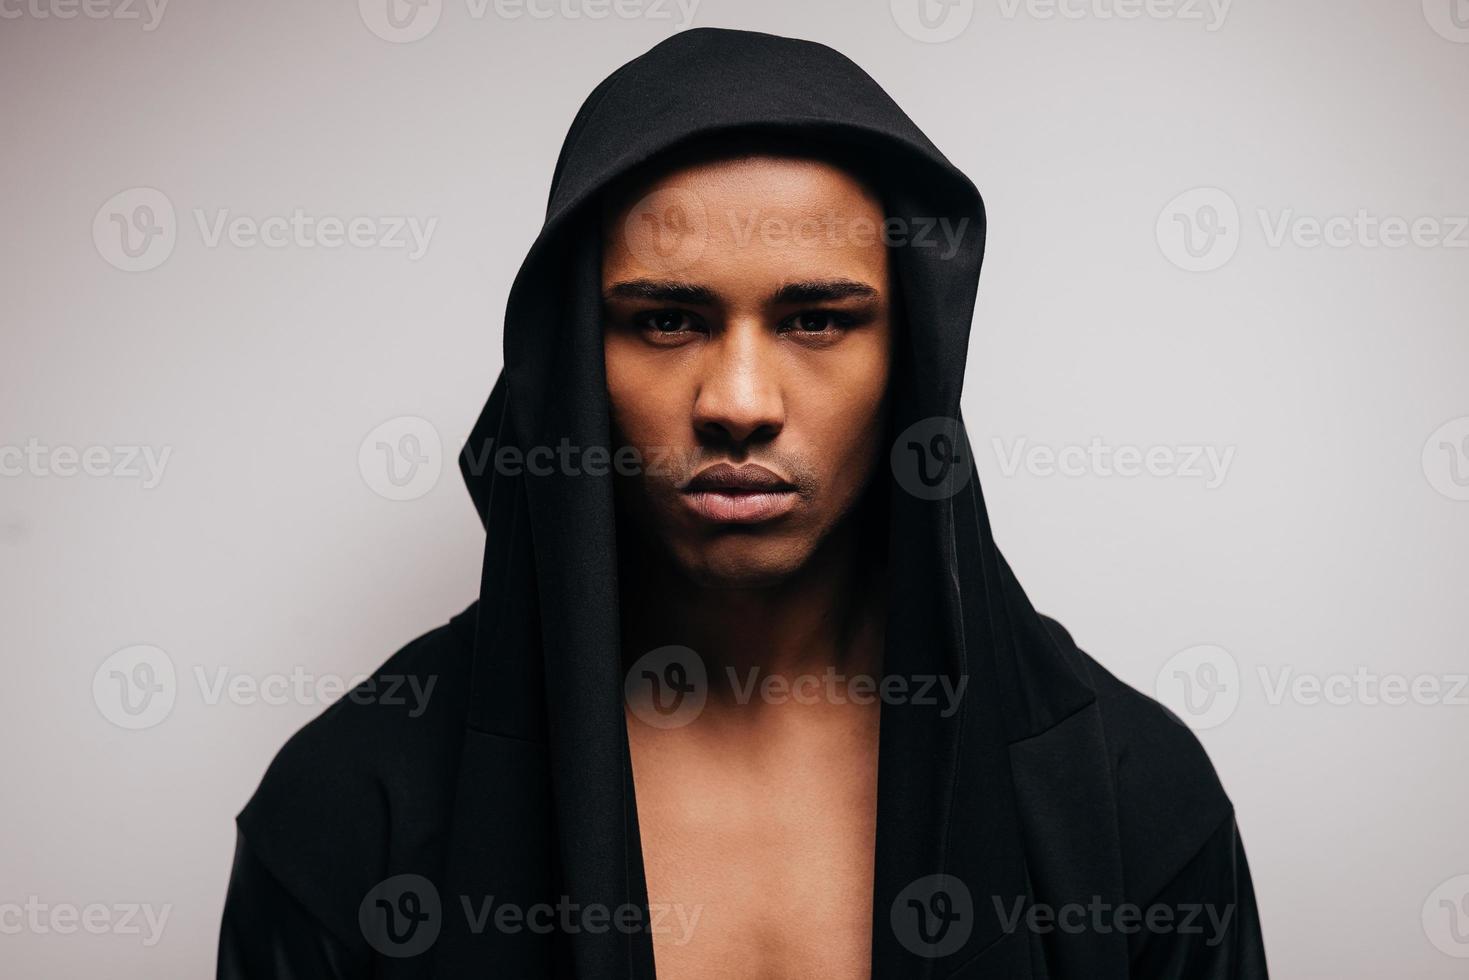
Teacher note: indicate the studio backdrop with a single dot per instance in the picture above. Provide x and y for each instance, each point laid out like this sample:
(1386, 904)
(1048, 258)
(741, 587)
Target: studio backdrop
(255, 265)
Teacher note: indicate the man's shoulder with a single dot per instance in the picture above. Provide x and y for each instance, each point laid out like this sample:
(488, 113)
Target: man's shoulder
(1170, 800)
(382, 726)
(370, 780)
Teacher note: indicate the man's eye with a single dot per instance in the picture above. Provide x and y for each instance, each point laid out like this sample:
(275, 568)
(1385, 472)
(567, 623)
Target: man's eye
(666, 321)
(816, 321)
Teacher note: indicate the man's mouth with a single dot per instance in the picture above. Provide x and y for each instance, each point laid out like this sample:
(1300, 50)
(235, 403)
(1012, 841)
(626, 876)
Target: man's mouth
(748, 494)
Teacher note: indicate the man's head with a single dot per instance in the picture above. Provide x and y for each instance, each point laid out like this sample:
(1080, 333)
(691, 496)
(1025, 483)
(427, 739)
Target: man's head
(748, 343)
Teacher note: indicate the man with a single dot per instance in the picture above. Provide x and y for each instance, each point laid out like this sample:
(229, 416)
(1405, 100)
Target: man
(749, 691)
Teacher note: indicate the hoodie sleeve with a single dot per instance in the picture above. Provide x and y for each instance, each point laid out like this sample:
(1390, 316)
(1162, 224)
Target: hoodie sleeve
(1204, 924)
(267, 934)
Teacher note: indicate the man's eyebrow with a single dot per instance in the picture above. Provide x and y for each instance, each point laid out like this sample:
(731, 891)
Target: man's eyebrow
(805, 291)
(823, 291)
(664, 291)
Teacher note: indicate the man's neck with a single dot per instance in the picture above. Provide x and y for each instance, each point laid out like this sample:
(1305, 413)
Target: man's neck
(828, 615)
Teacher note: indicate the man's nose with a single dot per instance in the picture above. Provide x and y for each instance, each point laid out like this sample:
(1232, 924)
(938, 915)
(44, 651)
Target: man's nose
(739, 399)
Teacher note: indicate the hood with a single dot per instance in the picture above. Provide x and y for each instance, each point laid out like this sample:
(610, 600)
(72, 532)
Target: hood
(547, 667)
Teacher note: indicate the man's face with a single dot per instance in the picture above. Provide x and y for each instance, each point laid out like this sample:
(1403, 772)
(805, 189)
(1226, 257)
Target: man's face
(747, 342)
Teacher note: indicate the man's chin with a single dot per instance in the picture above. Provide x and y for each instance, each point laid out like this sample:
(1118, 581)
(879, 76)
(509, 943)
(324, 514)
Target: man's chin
(743, 564)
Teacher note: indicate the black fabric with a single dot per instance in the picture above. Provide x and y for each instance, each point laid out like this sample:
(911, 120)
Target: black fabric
(269, 933)
(1053, 784)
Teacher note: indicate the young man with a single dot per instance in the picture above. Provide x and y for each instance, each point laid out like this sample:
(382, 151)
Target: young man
(749, 691)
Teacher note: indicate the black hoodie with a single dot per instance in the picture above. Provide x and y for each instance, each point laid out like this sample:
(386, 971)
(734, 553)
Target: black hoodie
(1059, 825)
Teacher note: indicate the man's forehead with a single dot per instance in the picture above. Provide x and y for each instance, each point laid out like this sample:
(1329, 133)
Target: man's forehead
(730, 166)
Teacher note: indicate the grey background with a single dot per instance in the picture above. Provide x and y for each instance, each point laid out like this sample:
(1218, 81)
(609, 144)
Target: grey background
(1334, 543)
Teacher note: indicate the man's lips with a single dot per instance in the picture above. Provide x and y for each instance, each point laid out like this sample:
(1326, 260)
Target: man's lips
(728, 478)
(747, 494)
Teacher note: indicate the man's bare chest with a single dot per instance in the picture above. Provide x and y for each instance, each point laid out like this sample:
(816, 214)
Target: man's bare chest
(759, 870)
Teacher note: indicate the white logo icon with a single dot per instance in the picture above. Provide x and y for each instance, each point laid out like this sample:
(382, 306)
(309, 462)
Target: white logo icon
(1201, 685)
(667, 687)
(402, 458)
(136, 687)
(1446, 917)
(1446, 459)
(932, 21)
(667, 230)
(400, 21)
(1449, 18)
(136, 229)
(1199, 230)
